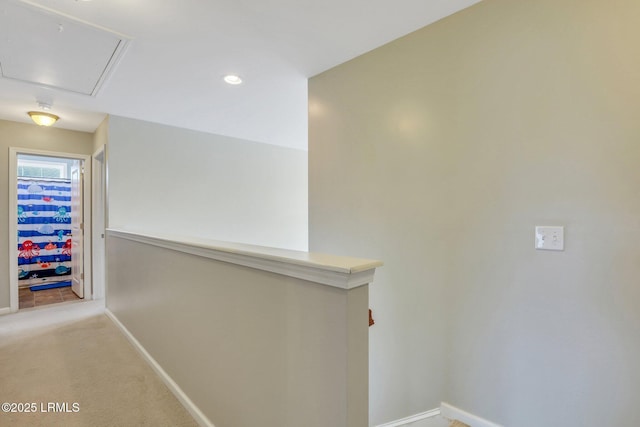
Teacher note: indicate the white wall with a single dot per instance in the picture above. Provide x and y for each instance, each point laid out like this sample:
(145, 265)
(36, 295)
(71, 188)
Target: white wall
(439, 153)
(176, 181)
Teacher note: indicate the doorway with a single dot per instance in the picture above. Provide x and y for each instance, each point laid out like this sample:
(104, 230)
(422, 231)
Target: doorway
(50, 205)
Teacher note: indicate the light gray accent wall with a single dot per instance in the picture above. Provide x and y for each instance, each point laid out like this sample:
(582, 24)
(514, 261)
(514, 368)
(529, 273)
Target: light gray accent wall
(248, 347)
(171, 180)
(21, 135)
(439, 153)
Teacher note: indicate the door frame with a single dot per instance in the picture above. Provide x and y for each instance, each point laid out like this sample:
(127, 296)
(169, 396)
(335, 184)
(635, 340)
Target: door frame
(13, 217)
(98, 215)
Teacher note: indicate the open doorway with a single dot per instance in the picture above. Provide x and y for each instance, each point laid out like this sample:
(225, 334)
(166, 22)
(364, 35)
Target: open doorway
(51, 251)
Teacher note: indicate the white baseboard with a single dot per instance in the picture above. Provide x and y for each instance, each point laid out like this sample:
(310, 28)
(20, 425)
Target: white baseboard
(195, 412)
(452, 413)
(413, 418)
(5, 310)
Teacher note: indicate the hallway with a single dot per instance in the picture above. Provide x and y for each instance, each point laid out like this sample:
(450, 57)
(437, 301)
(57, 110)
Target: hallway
(70, 365)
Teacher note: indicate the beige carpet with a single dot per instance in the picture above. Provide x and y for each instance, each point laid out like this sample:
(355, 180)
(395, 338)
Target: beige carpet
(456, 423)
(88, 363)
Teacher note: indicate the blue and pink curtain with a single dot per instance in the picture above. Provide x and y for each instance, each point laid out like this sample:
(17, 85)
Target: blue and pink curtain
(44, 231)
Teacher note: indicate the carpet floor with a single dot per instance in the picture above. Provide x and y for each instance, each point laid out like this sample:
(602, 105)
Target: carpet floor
(84, 374)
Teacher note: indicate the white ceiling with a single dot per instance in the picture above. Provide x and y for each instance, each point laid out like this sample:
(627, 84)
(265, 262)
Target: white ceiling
(172, 69)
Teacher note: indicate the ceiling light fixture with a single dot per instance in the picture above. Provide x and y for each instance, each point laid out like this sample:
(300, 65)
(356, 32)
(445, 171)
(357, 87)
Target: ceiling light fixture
(42, 118)
(232, 79)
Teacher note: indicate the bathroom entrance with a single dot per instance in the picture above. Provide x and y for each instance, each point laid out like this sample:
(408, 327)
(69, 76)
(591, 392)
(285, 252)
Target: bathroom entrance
(49, 228)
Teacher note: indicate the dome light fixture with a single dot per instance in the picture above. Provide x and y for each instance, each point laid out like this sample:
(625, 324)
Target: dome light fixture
(232, 79)
(43, 119)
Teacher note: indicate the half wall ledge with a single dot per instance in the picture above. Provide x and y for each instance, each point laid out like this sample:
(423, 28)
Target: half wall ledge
(246, 335)
(331, 270)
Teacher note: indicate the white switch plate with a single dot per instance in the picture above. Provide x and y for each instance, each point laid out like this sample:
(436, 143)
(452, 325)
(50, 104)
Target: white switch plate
(550, 238)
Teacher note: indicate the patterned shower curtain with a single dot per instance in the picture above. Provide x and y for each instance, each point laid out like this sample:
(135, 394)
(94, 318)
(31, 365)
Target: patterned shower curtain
(44, 231)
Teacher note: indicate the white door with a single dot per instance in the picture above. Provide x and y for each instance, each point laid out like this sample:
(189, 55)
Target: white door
(77, 226)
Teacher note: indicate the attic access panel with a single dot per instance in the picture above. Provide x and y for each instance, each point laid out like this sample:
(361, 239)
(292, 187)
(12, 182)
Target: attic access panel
(43, 47)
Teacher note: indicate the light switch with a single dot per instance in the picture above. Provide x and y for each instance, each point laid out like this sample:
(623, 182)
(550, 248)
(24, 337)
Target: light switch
(550, 238)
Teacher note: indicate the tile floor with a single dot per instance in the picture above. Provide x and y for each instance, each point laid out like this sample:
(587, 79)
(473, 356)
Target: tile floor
(29, 299)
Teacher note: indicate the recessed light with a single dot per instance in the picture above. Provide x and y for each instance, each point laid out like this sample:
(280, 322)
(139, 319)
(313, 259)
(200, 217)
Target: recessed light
(232, 79)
